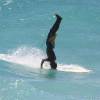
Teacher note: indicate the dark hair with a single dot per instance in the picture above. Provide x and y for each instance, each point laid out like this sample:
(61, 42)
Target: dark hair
(53, 65)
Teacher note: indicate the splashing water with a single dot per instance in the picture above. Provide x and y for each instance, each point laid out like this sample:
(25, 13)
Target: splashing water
(31, 57)
(25, 56)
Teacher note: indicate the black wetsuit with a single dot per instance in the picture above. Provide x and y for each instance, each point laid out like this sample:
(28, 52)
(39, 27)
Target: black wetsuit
(50, 46)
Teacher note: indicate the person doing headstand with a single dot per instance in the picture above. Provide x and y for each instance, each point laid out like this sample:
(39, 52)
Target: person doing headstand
(50, 43)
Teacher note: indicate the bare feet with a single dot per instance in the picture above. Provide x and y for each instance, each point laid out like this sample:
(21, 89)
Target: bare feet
(58, 16)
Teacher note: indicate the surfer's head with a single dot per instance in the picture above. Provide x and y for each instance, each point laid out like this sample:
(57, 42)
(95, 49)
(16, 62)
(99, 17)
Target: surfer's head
(53, 65)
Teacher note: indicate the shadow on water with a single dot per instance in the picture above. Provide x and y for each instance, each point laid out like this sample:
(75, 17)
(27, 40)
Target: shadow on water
(50, 74)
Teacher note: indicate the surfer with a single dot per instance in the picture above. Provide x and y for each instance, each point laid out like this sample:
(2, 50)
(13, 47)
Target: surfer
(50, 43)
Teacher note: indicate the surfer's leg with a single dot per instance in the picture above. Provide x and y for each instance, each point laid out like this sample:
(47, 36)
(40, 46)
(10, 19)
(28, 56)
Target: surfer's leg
(43, 60)
(56, 25)
(52, 34)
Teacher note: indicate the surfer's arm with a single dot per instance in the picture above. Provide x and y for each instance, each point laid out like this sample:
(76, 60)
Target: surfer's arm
(43, 60)
(42, 63)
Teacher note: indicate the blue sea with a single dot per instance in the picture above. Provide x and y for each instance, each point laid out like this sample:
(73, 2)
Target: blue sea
(24, 25)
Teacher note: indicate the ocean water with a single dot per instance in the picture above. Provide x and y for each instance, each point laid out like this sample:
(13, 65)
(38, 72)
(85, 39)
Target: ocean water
(24, 25)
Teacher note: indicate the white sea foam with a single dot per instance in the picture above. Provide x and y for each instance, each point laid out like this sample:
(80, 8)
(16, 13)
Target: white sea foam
(31, 57)
(7, 2)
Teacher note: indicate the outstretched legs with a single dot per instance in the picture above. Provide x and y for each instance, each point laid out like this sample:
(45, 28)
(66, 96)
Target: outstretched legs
(55, 27)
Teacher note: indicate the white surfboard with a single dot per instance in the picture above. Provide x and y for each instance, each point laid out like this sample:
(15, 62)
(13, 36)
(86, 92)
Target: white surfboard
(29, 63)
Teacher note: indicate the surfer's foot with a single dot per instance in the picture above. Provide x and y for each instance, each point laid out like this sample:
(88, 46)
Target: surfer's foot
(58, 16)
